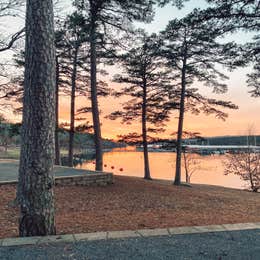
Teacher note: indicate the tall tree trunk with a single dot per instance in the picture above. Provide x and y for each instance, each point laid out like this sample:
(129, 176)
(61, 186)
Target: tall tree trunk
(36, 180)
(186, 167)
(177, 180)
(93, 83)
(147, 175)
(57, 141)
(6, 148)
(72, 108)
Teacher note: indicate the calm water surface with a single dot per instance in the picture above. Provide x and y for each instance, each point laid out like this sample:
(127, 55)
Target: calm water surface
(210, 169)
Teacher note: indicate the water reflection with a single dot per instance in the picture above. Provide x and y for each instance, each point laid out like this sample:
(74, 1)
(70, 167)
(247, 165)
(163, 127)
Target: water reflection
(128, 162)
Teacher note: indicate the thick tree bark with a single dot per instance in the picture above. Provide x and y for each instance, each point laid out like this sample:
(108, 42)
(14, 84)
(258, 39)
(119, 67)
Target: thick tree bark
(177, 180)
(147, 175)
(57, 141)
(36, 180)
(93, 83)
(72, 108)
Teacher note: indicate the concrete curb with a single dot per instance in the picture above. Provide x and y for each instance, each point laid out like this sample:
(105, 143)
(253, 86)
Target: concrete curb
(11, 182)
(73, 238)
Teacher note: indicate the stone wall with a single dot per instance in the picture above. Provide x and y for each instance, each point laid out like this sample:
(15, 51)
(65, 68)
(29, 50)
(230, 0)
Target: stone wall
(96, 179)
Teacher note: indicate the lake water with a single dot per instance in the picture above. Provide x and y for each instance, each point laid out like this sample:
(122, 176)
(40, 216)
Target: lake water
(209, 170)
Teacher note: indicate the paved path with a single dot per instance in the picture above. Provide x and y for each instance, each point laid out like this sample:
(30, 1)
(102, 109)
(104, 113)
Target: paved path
(237, 245)
(9, 170)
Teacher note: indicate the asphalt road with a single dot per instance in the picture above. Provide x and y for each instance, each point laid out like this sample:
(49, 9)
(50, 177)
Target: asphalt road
(237, 245)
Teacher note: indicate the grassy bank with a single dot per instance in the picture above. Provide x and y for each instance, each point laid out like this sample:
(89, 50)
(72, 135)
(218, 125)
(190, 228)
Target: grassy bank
(14, 153)
(11, 153)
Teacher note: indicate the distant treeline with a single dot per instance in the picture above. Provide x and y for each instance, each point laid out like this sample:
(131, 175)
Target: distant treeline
(232, 140)
(85, 141)
(218, 140)
(10, 136)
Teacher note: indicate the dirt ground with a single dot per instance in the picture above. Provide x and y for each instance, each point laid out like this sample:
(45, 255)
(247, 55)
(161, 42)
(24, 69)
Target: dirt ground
(133, 203)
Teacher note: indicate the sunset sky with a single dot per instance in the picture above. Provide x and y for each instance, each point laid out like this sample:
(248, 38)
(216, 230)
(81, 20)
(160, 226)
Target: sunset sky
(238, 121)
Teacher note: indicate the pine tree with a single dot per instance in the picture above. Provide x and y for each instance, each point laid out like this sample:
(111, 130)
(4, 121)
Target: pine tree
(144, 74)
(230, 15)
(36, 180)
(193, 52)
(234, 16)
(59, 44)
(76, 31)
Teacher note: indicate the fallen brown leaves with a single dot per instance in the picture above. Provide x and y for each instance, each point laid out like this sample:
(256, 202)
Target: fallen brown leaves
(133, 203)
